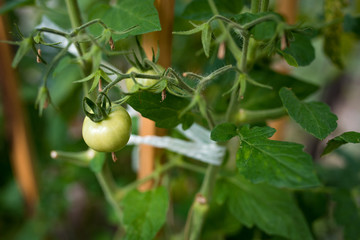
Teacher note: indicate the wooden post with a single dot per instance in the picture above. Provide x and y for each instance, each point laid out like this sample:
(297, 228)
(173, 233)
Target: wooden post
(152, 40)
(287, 8)
(15, 124)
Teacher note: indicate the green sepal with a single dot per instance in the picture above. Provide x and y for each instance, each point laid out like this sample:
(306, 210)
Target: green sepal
(25, 47)
(143, 63)
(100, 110)
(42, 99)
(206, 39)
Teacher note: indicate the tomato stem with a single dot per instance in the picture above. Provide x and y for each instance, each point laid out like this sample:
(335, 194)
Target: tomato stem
(264, 5)
(255, 6)
(160, 170)
(107, 184)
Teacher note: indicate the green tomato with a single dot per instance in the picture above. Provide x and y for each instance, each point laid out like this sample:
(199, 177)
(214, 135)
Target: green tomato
(109, 135)
(143, 81)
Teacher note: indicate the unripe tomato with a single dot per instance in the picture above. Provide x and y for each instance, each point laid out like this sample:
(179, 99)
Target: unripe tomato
(109, 135)
(143, 81)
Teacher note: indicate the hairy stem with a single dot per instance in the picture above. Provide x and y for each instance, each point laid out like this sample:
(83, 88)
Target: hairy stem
(76, 22)
(270, 17)
(243, 69)
(75, 19)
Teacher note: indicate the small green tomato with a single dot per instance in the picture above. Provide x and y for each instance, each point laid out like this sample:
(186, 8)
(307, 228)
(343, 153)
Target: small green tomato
(143, 81)
(109, 135)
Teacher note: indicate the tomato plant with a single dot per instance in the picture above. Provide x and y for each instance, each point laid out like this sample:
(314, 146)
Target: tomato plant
(228, 171)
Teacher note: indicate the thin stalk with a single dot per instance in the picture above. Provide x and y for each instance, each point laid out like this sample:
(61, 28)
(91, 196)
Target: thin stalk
(260, 20)
(247, 116)
(124, 76)
(255, 6)
(243, 69)
(107, 184)
(264, 6)
(233, 99)
(53, 31)
(229, 40)
(75, 19)
(201, 204)
(76, 22)
(191, 167)
(160, 170)
(181, 82)
(85, 25)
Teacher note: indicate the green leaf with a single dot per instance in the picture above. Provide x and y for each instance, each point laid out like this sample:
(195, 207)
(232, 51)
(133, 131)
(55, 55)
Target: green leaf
(25, 47)
(289, 59)
(166, 114)
(300, 49)
(65, 73)
(223, 132)
(96, 164)
(271, 209)
(42, 99)
(282, 164)
(126, 14)
(267, 98)
(206, 39)
(345, 176)
(95, 81)
(11, 5)
(347, 137)
(314, 117)
(352, 24)
(85, 79)
(105, 76)
(144, 213)
(200, 9)
(346, 214)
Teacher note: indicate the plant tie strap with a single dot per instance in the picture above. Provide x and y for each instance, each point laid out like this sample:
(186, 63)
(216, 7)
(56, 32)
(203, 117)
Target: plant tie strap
(200, 146)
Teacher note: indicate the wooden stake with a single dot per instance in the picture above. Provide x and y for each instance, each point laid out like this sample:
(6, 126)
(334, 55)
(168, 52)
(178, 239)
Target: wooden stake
(151, 41)
(15, 124)
(287, 8)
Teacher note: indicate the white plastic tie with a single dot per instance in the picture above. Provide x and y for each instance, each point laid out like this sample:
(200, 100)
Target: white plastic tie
(200, 147)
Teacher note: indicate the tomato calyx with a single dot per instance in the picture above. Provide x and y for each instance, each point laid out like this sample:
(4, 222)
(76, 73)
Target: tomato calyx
(99, 110)
(143, 63)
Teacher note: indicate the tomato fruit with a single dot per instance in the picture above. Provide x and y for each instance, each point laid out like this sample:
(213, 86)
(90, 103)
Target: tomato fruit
(110, 134)
(145, 82)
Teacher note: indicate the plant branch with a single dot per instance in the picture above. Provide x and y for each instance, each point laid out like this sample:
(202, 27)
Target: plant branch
(264, 6)
(107, 184)
(243, 69)
(229, 40)
(255, 6)
(160, 170)
(248, 116)
(75, 19)
(269, 17)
